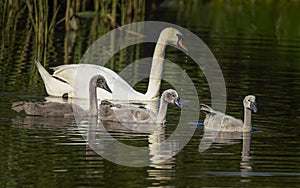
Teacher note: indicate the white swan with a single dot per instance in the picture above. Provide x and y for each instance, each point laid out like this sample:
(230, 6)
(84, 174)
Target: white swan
(215, 120)
(108, 111)
(61, 83)
(47, 109)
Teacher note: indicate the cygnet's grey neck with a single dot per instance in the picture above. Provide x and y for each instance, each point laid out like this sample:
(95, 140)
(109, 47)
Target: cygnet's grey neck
(161, 116)
(93, 110)
(247, 119)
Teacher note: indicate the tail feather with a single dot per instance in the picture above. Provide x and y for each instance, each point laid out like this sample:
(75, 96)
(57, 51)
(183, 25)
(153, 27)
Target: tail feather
(206, 109)
(53, 86)
(43, 72)
(18, 106)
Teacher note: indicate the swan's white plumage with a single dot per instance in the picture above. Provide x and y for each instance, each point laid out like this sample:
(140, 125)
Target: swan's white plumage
(86, 71)
(76, 76)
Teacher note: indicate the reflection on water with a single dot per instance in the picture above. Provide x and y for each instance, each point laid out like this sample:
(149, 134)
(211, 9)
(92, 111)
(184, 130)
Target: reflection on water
(34, 122)
(220, 137)
(217, 139)
(154, 150)
(157, 153)
(257, 46)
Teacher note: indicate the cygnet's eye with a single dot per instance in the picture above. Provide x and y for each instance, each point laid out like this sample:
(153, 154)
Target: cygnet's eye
(100, 81)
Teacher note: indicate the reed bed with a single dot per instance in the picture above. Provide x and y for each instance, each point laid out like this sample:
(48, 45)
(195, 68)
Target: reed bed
(106, 15)
(33, 27)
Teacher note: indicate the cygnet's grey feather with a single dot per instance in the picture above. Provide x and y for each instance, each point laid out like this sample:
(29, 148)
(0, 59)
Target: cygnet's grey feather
(119, 113)
(45, 109)
(206, 109)
(215, 120)
(108, 111)
(57, 109)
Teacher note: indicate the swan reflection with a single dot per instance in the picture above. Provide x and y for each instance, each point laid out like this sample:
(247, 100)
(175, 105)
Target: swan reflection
(111, 140)
(49, 123)
(213, 139)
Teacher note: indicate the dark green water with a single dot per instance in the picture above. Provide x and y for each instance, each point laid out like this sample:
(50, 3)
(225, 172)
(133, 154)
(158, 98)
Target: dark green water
(257, 47)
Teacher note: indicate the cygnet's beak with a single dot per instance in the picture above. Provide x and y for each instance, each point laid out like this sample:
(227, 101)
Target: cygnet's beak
(182, 46)
(178, 102)
(106, 87)
(253, 107)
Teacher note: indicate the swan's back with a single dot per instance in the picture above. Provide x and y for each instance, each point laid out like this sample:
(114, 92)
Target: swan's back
(108, 111)
(230, 123)
(134, 114)
(68, 73)
(45, 109)
(215, 120)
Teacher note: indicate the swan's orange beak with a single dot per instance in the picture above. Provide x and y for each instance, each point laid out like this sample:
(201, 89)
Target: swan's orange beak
(182, 46)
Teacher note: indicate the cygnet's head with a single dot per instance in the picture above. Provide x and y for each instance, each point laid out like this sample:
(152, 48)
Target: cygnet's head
(171, 96)
(99, 81)
(250, 103)
(173, 37)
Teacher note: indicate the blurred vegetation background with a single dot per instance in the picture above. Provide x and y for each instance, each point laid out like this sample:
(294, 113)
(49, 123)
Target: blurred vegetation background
(58, 32)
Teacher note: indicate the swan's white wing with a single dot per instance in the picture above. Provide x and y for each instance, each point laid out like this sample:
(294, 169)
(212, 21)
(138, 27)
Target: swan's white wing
(65, 72)
(68, 72)
(79, 75)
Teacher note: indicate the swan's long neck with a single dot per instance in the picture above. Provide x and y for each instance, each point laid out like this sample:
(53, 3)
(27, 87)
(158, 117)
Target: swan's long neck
(161, 116)
(93, 100)
(156, 69)
(247, 120)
